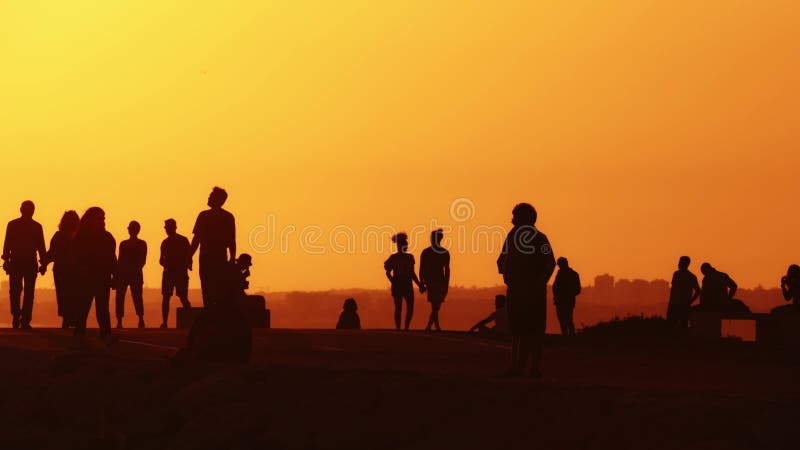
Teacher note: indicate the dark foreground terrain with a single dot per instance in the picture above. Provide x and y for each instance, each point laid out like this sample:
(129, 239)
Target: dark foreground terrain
(313, 389)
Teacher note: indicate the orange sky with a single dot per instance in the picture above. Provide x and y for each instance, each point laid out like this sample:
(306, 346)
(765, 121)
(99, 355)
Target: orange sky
(641, 130)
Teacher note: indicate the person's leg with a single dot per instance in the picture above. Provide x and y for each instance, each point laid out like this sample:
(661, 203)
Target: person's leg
(430, 318)
(435, 315)
(122, 289)
(29, 288)
(102, 296)
(14, 294)
(138, 302)
(398, 310)
(82, 306)
(562, 320)
(205, 287)
(570, 322)
(409, 309)
(165, 309)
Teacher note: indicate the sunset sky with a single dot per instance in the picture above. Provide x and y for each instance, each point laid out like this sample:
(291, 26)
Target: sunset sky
(641, 130)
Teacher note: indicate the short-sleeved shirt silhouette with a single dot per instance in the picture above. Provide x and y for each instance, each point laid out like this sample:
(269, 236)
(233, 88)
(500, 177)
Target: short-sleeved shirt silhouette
(176, 252)
(684, 284)
(715, 288)
(132, 256)
(566, 287)
(24, 238)
(216, 229)
(402, 267)
(432, 264)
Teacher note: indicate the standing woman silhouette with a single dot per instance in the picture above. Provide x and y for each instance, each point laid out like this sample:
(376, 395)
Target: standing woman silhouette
(95, 252)
(60, 254)
(400, 272)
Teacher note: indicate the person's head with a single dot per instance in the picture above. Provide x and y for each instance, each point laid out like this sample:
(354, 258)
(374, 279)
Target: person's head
(170, 226)
(93, 221)
(69, 222)
(27, 208)
(524, 214)
(401, 239)
(350, 305)
(706, 268)
(244, 261)
(436, 238)
(793, 271)
(499, 301)
(217, 197)
(562, 263)
(683, 262)
(134, 228)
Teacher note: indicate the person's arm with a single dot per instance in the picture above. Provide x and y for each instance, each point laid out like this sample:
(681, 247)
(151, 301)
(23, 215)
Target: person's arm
(414, 275)
(733, 287)
(695, 291)
(7, 242)
(232, 240)
(143, 256)
(42, 250)
(387, 266)
(196, 232)
(161, 257)
(447, 273)
(787, 295)
(423, 263)
(578, 287)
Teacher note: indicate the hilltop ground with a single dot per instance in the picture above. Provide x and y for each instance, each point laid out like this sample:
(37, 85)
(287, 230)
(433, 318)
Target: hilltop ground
(313, 389)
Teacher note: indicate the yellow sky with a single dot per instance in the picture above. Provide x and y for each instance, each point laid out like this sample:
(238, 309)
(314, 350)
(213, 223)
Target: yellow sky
(641, 130)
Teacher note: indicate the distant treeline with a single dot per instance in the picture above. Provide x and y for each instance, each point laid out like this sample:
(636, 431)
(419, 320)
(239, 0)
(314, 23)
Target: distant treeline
(605, 299)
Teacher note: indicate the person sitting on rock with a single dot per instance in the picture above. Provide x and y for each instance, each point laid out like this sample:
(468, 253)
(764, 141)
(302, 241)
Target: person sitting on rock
(499, 317)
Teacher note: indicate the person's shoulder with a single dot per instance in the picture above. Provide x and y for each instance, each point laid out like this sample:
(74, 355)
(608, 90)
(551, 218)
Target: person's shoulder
(226, 213)
(182, 238)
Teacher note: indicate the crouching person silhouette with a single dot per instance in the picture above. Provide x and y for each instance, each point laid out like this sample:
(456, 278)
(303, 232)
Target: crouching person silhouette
(222, 334)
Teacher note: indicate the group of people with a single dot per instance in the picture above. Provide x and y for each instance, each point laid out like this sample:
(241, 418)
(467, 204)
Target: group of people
(87, 266)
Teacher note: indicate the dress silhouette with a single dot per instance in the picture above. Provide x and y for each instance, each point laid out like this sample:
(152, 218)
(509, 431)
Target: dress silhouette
(526, 263)
(24, 240)
(683, 292)
(176, 259)
(348, 319)
(64, 276)
(400, 272)
(95, 254)
(566, 287)
(132, 257)
(215, 235)
(434, 276)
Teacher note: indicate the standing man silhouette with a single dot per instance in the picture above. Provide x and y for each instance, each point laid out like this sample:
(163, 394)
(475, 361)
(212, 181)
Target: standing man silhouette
(526, 263)
(24, 239)
(566, 287)
(684, 291)
(434, 276)
(215, 235)
(176, 259)
(132, 257)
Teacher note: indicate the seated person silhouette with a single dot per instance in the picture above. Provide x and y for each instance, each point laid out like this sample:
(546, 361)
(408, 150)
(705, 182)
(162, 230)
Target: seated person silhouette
(499, 317)
(717, 292)
(348, 319)
(790, 288)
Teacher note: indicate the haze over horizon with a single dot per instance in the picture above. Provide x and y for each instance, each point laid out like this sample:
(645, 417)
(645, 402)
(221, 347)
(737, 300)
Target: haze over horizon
(640, 130)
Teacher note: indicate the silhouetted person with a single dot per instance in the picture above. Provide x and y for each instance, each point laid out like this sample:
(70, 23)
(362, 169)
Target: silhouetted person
(132, 257)
(215, 235)
(60, 254)
(400, 272)
(526, 263)
(176, 259)
(434, 276)
(566, 287)
(95, 254)
(499, 317)
(790, 288)
(717, 291)
(684, 291)
(24, 239)
(348, 319)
